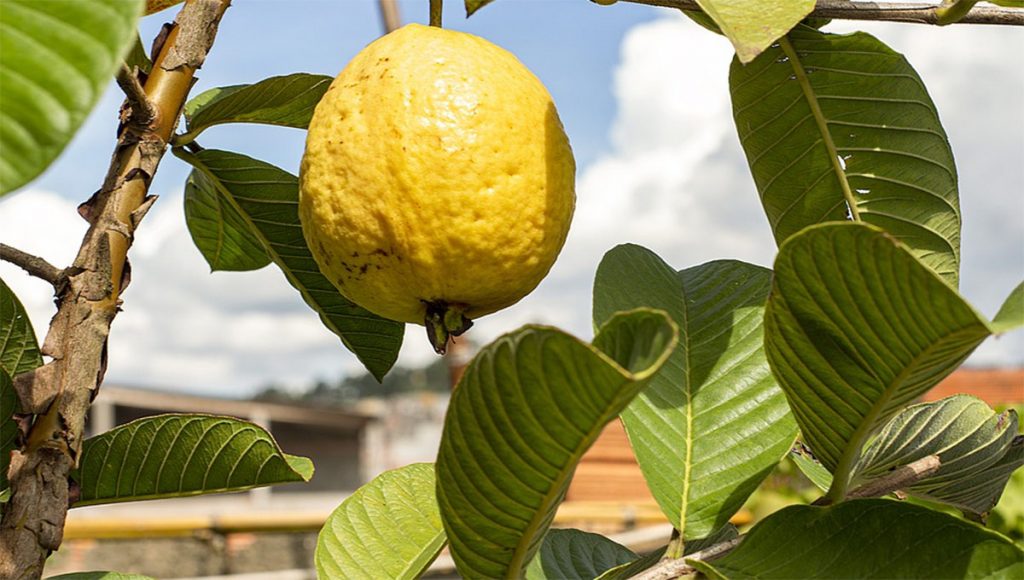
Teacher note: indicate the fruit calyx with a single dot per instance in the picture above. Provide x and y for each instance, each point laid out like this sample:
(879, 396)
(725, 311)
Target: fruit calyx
(443, 321)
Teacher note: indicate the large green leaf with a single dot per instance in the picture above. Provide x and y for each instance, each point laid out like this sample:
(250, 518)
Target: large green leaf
(872, 538)
(286, 100)
(181, 455)
(389, 528)
(223, 236)
(966, 434)
(268, 197)
(753, 25)
(713, 423)
(567, 554)
(8, 431)
(978, 493)
(839, 123)
(56, 57)
(1011, 314)
(526, 409)
(856, 328)
(19, 351)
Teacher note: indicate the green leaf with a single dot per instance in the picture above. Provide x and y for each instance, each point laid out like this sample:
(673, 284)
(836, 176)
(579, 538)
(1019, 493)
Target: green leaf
(527, 408)
(752, 25)
(713, 423)
(872, 538)
(287, 101)
(978, 494)
(473, 5)
(856, 328)
(56, 57)
(137, 56)
(1007, 3)
(634, 568)
(831, 123)
(1011, 314)
(223, 236)
(19, 351)
(182, 455)
(567, 554)
(810, 467)
(389, 528)
(8, 432)
(963, 431)
(100, 576)
(267, 198)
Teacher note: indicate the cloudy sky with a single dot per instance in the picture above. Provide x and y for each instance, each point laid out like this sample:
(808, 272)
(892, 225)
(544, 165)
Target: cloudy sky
(643, 94)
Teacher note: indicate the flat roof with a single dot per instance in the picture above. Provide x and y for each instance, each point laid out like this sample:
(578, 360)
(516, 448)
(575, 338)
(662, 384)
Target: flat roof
(141, 398)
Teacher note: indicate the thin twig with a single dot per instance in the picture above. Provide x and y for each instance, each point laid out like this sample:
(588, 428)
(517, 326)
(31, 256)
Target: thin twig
(34, 265)
(887, 11)
(143, 112)
(390, 16)
(898, 478)
(668, 569)
(435, 12)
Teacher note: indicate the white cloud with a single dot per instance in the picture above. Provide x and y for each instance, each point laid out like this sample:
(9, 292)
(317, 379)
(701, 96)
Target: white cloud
(675, 181)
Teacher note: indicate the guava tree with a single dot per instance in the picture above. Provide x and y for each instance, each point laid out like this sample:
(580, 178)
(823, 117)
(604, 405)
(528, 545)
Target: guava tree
(717, 371)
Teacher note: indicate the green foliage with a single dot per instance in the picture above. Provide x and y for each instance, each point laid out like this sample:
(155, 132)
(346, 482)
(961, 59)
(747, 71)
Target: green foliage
(699, 471)
(473, 5)
(287, 101)
(753, 25)
(181, 455)
(19, 351)
(852, 341)
(8, 431)
(972, 441)
(833, 124)
(56, 57)
(389, 528)
(874, 538)
(221, 233)
(527, 408)
(267, 198)
(576, 555)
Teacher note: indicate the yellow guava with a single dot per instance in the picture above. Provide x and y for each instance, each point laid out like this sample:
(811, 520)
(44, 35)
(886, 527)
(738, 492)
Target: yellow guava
(437, 184)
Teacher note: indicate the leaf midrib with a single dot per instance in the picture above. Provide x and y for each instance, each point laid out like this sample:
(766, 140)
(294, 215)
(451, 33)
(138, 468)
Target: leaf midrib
(822, 124)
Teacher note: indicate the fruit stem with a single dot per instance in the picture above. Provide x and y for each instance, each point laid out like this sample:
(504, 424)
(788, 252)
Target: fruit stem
(435, 12)
(443, 321)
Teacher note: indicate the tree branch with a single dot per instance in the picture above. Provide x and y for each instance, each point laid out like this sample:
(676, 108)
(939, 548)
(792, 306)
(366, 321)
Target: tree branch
(669, 569)
(142, 111)
(59, 392)
(34, 265)
(887, 11)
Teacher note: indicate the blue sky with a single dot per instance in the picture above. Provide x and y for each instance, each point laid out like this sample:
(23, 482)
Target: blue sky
(643, 95)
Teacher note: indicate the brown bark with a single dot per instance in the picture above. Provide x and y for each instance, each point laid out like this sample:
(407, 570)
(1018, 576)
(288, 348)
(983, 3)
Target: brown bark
(60, 392)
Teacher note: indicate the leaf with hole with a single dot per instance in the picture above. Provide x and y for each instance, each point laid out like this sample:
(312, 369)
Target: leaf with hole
(965, 433)
(388, 528)
(287, 101)
(19, 351)
(872, 538)
(226, 240)
(713, 423)
(527, 408)
(857, 328)
(267, 198)
(56, 58)
(753, 25)
(181, 455)
(567, 554)
(838, 123)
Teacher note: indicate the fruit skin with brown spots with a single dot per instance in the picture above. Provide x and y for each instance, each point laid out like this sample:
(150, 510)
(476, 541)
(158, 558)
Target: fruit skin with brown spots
(437, 184)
